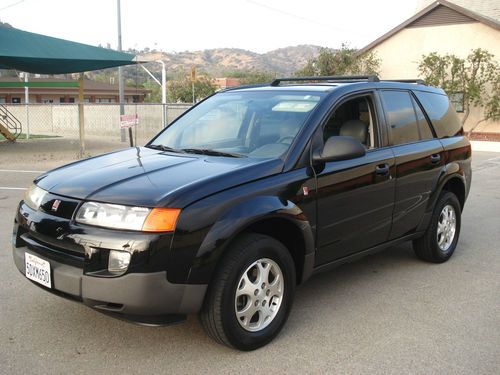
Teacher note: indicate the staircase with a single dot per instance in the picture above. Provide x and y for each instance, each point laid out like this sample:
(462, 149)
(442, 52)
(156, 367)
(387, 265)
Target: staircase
(10, 126)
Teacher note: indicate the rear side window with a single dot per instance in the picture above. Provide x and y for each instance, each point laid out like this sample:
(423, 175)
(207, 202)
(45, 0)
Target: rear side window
(423, 124)
(400, 116)
(441, 113)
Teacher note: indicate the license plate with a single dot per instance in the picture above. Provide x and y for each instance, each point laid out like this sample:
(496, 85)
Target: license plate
(38, 269)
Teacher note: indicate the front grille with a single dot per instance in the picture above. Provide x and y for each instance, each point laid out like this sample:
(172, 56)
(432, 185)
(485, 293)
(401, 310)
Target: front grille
(59, 206)
(58, 254)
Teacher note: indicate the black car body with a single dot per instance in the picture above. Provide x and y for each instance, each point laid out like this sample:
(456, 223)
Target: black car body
(325, 210)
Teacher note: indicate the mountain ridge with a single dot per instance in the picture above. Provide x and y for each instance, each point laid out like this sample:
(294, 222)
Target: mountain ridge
(220, 61)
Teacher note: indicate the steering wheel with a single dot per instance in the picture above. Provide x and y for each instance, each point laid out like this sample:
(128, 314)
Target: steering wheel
(286, 140)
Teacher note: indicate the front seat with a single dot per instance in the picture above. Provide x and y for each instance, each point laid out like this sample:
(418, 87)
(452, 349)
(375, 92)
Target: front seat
(356, 129)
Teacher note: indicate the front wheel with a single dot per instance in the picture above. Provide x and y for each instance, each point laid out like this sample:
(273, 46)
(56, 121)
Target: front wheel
(440, 240)
(251, 294)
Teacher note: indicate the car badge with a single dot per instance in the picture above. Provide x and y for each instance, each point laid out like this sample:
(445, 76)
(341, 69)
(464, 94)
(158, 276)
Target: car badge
(55, 205)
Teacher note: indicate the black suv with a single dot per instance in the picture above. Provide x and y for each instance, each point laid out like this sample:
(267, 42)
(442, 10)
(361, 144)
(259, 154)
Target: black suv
(244, 197)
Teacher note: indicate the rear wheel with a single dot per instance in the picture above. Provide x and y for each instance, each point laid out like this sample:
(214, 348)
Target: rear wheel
(251, 294)
(440, 240)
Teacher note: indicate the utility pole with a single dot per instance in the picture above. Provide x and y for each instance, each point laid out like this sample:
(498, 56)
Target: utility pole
(121, 92)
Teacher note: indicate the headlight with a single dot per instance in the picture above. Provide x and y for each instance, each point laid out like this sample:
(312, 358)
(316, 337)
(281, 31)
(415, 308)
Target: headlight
(34, 197)
(126, 217)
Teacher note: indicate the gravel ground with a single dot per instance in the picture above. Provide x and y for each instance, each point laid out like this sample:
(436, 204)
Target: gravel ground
(386, 314)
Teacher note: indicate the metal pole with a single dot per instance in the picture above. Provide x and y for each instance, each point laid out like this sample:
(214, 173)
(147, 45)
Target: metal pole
(121, 93)
(26, 102)
(192, 87)
(163, 93)
(81, 118)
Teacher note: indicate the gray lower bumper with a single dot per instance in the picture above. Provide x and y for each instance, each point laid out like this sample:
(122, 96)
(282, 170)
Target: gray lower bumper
(130, 294)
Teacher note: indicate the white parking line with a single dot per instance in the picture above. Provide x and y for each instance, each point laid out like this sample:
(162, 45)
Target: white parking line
(19, 171)
(12, 188)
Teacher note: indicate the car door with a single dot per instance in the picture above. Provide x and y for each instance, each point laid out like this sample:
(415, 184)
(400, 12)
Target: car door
(419, 159)
(355, 197)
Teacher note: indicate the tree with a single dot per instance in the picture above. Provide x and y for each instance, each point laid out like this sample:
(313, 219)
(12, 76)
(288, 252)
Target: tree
(155, 95)
(181, 90)
(5, 24)
(248, 77)
(343, 61)
(476, 77)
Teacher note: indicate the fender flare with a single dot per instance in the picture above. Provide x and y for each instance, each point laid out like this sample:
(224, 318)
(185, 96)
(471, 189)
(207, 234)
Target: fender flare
(449, 172)
(239, 217)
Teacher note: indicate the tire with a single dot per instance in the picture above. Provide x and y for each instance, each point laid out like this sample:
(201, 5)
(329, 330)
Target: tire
(252, 255)
(438, 247)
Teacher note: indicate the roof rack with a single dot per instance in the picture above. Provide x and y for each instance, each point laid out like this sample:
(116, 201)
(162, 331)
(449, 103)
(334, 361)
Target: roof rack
(417, 81)
(368, 78)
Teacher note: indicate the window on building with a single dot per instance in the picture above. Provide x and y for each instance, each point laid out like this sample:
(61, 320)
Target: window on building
(61, 99)
(16, 100)
(71, 100)
(457, 100)
(400, 116)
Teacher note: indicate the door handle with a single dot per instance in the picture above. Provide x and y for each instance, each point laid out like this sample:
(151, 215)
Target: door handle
(382, 169)
(435, 158)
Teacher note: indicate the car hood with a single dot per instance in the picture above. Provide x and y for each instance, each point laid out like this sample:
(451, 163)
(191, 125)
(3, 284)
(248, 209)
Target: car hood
(141, 176)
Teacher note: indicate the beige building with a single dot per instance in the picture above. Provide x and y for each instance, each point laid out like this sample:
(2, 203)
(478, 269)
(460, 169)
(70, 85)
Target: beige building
(444, 27)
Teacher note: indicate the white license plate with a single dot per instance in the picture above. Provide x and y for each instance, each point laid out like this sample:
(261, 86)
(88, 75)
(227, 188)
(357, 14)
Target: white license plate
(38, 269)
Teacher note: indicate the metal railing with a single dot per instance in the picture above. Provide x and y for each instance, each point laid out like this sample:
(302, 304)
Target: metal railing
(10, 123)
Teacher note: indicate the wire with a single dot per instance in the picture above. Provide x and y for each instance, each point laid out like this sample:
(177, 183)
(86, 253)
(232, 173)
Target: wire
(289, 14)
(12, 5)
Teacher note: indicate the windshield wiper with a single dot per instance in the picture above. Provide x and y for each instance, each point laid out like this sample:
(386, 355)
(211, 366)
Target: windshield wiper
(207, 151)
(165, 148)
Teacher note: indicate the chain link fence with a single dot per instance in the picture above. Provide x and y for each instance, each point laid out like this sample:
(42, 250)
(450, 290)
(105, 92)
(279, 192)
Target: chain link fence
(101, 120)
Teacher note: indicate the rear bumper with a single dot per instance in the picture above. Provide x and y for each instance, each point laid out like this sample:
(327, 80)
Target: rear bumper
(133, 294)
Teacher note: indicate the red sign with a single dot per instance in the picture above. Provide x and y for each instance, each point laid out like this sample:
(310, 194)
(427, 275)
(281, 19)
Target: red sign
(127, 121)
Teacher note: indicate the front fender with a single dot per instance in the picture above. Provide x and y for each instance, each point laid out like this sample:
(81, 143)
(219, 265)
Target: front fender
(235, 220)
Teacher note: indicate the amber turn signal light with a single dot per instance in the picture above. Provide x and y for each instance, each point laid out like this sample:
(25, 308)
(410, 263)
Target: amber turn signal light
(161, 220)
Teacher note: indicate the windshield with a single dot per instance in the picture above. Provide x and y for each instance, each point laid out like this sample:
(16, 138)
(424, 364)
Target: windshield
(258, 124)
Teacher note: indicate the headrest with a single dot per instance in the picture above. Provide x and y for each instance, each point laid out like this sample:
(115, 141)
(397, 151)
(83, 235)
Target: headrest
(355, 128)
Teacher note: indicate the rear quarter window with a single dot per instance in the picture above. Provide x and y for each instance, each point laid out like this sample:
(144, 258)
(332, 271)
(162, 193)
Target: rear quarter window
(441, 113)
(400, 115)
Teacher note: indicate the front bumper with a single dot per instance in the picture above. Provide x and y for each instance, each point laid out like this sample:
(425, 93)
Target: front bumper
(131, 295)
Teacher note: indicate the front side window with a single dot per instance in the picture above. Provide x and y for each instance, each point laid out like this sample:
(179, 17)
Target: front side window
(354, 118)
(400, 116)
(247, 123)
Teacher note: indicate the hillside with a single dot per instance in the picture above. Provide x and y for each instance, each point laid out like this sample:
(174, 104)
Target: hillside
(220, 61)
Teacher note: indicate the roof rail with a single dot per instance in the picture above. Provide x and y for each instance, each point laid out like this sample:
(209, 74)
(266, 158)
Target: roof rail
(244, 87)
(369, 78)
(417, 81)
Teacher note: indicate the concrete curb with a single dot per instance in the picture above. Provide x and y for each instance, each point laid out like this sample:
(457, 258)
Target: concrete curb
(485, 146)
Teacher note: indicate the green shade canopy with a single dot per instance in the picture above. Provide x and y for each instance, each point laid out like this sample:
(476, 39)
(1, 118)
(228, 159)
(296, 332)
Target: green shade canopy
(36, 53)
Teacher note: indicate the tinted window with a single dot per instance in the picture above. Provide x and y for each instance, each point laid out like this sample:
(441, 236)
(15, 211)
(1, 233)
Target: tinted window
(441, 113)
(423, 124)
(250, 123)
(400, 116)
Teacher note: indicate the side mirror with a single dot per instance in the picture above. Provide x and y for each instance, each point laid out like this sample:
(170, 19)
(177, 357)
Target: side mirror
(340, 148)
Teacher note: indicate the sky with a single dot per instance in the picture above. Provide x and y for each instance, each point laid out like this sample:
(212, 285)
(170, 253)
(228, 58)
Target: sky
(189, 25)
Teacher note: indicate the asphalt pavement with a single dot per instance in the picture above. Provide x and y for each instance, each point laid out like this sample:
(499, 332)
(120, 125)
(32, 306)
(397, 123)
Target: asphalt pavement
(386, 314)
